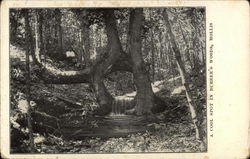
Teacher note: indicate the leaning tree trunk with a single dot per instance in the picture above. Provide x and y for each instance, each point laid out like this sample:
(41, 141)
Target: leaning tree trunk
(184, 77)
(145, 95)
(117, 60)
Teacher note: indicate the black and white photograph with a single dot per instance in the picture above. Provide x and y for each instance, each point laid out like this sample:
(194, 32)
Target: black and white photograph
(107, 80)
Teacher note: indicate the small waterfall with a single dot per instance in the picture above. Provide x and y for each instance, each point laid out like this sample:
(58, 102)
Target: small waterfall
(125, 105)
(113, 104)
(120, 104)
(116, 103)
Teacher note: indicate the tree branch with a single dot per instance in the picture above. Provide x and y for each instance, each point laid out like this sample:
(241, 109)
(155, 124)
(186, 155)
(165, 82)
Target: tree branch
(116, 61)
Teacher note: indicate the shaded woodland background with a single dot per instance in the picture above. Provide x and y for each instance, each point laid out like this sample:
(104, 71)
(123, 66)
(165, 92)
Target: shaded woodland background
(72, 66)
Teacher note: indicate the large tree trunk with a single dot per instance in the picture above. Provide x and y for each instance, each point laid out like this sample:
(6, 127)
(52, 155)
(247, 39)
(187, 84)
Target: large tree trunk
(185, 81)
(115, 50)
(144, 96)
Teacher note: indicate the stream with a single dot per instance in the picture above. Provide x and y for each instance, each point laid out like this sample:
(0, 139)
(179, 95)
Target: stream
(108, 126)
(116, 124)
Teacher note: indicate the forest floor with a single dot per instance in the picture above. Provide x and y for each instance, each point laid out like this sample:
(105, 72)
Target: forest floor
(172, 132)
(64, 112)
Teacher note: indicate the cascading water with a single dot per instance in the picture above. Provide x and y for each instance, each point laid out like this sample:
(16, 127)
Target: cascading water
(120, 105)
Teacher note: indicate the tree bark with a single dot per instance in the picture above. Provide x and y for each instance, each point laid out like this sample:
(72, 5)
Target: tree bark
(161, 57)
(14, 24)
(186, 43)
(40, 29)
(152, 49)
(27, 40)
(58, 30)
(86, 40)
(144, 96)
(79, 50)
(184, 77)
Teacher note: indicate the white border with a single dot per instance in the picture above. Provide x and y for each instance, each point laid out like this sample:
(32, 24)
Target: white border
(231, 76)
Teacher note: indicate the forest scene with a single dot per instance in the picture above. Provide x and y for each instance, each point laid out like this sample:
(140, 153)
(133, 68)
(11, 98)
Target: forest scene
(107, 80)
